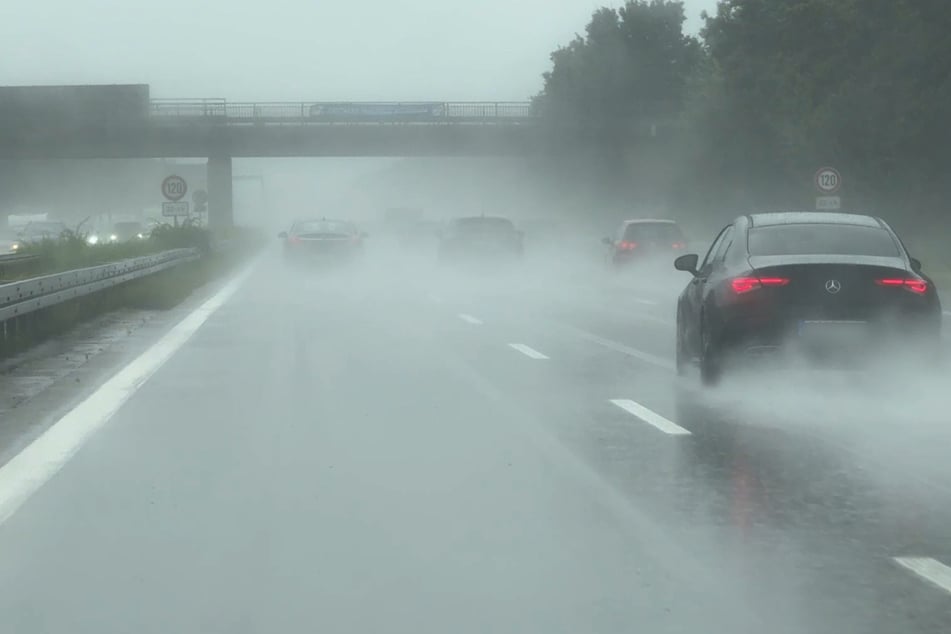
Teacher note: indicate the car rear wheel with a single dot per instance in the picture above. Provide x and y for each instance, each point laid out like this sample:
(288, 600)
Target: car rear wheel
(711, 362)
(680, 357)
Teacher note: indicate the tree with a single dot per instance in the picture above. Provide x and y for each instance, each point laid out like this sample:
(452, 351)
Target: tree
(608, 89)
(773, 90)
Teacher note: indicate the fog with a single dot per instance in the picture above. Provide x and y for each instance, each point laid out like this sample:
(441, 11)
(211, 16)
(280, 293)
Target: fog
(295, 50)
(459, 384)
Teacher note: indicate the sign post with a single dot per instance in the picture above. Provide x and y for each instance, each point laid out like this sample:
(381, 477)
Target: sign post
(174, 189)
(828, 181)
(200, 199)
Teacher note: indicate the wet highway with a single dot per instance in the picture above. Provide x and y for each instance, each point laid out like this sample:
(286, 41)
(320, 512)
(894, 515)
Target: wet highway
(393, 449)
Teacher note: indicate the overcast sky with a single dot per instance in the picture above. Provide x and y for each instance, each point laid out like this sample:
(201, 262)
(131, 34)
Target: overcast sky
(295, 50)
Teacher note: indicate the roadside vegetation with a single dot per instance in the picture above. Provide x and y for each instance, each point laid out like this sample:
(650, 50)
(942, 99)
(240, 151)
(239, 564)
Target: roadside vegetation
(746, 111)
(163, 290)
(72, 250)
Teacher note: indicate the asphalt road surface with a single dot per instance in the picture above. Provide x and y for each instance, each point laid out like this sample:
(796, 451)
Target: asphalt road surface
(393, 449)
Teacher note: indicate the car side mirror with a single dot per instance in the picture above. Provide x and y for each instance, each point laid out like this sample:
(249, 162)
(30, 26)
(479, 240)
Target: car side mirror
(282, 235)
(688, 263)
(607, 241)
(916, 265)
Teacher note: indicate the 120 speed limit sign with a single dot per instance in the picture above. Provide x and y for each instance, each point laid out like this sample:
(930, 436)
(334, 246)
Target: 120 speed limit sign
(174, 188)
(828, 180)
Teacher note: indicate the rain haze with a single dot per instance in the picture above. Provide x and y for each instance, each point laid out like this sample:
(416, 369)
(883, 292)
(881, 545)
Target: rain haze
(291, 50)
(430, 317)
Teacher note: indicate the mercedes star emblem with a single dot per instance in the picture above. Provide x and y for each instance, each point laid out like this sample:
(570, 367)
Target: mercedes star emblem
(833, 286)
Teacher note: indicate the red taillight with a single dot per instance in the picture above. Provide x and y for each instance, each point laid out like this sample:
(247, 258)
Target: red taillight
(293, 240)
(915, 286)
(679, 245)
(746, 284)
(627, 246)
(890, 282)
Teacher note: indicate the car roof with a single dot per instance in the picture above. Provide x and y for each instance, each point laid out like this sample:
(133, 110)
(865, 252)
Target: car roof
(665, 221)
(813, 217)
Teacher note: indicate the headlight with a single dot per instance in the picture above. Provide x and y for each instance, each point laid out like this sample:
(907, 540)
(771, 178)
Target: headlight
(15, 246)
(93, 239)
(113, 237)
(140, 236)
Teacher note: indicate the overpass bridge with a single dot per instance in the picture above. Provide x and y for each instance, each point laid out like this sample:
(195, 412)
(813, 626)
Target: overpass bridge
(183, 128)
(124, 122)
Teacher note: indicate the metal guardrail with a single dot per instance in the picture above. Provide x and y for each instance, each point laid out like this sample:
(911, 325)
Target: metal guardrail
(324, 113)
(16, 262)
(26, 296)
(16, 258)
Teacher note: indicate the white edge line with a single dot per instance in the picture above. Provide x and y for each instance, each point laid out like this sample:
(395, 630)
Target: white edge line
(39, 461)
(527, 351)
(928, 569)
(469, 318)
(651, 418)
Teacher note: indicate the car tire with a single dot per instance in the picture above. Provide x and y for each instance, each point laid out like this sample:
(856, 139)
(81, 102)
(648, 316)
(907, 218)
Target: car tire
(680, 360)
(711, 362)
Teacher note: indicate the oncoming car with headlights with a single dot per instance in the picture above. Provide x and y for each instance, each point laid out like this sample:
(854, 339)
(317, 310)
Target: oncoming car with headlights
(829, 286)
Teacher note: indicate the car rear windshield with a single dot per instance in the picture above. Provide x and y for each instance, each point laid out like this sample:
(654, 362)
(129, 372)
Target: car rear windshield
(323, 226)
(653, 232)
(822, 239)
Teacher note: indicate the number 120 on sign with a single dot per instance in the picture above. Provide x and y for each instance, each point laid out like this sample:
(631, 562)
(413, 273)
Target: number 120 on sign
(828, 180)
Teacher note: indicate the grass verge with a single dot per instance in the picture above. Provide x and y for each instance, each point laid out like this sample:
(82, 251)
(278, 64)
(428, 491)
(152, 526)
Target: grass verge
(161, 291)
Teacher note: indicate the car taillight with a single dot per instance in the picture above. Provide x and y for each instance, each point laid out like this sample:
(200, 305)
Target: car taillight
(743, 285)
(918, 287)
(679, 245)
(293, 240)
(624, 245)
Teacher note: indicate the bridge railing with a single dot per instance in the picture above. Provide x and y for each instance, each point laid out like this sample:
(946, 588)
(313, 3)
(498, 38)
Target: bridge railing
(310, 113)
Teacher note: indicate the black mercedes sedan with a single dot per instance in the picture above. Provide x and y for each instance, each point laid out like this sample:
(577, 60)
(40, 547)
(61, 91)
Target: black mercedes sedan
(828, 285)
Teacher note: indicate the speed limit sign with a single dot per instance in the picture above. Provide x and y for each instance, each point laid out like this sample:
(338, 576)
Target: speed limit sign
(174, 188)
(828, 180)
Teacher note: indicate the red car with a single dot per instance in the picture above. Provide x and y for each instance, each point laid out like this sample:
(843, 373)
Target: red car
(645, 240)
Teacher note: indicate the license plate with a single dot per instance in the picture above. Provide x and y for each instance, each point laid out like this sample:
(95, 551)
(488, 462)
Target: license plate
(833, 333)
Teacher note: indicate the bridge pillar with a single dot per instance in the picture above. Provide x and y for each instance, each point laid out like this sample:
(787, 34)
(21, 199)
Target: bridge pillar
(220, 194)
